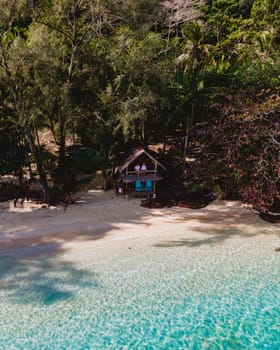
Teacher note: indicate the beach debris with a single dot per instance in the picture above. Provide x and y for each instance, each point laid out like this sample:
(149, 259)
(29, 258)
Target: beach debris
(153, 203)
(68, 200)
(272, 218)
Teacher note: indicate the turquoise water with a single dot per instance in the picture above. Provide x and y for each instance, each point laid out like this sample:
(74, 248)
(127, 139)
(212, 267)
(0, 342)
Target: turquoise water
(210, 294)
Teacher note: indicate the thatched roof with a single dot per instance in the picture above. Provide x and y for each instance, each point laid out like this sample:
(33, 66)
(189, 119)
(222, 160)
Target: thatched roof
(134, 155)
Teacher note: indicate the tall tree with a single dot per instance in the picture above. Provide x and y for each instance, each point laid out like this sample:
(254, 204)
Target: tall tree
(14, 63)
(142, 83)
(60, 39)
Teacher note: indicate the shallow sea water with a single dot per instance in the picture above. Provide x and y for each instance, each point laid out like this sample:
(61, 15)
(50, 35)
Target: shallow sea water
(185, 294)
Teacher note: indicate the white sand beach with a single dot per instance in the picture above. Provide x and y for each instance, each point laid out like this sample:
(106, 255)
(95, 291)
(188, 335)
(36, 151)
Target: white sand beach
(100, 218)
(108, 272)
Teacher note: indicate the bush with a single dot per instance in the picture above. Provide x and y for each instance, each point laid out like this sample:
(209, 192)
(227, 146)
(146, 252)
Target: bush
(84, 160)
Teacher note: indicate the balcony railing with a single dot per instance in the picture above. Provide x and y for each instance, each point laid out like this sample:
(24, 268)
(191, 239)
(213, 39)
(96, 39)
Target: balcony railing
(132, 176)
(146, 172)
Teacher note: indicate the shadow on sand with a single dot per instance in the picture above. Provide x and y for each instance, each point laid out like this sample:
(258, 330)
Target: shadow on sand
(35, 271)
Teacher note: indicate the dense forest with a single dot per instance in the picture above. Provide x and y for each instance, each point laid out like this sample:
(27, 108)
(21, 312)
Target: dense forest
(100, 77)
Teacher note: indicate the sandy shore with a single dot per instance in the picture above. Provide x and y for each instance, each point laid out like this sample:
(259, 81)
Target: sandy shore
(102, 217)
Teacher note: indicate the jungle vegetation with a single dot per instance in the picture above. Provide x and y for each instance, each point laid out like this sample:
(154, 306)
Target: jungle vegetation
(199, 77)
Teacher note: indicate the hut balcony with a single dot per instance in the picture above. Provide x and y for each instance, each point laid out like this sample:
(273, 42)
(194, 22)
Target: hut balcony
(132, 176)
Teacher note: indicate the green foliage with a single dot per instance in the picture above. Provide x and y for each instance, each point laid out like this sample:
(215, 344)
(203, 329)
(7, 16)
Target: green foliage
(140, 87)
(140, 15)
(83, 160)
(13, 151)
(118, 73)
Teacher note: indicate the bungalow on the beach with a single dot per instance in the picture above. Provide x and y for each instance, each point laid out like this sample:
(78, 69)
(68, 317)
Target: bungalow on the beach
(140, 172)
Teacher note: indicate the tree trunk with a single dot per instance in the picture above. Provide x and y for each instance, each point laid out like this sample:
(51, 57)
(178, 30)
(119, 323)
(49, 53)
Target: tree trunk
(60, 181)
(39, 164)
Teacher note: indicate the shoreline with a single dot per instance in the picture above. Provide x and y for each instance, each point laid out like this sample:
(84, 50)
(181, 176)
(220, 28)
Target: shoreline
(104, 218)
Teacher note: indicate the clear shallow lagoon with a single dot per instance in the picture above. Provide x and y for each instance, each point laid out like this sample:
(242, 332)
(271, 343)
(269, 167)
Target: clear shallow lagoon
(208, 294)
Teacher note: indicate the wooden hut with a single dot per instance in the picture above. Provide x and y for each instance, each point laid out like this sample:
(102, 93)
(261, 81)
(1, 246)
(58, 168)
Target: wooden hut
(141, 182)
